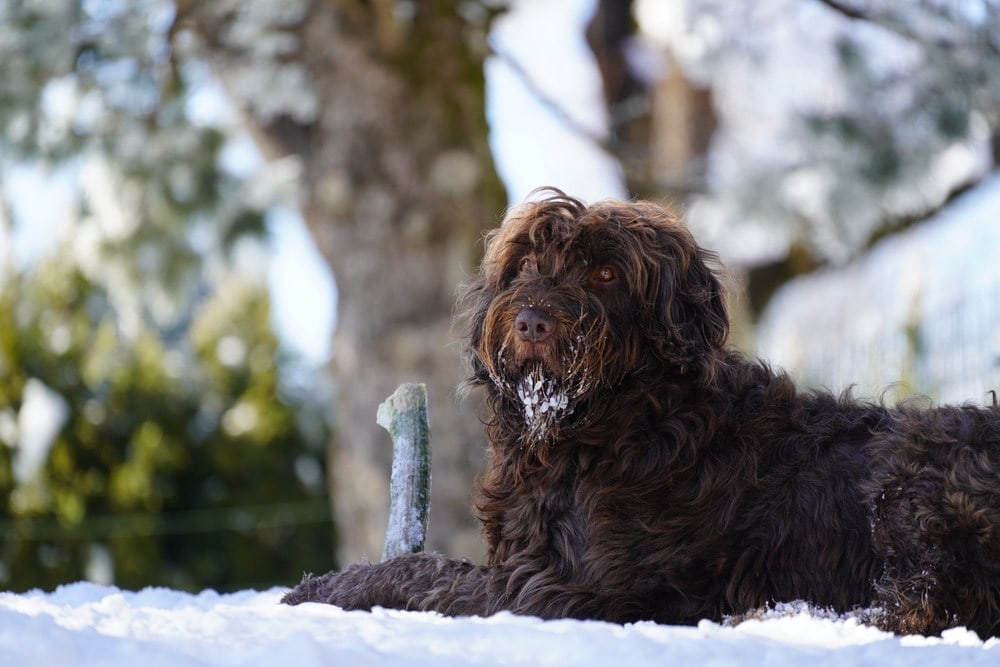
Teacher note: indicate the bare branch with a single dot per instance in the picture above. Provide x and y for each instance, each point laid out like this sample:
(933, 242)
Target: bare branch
(847, 10)
(548, 102)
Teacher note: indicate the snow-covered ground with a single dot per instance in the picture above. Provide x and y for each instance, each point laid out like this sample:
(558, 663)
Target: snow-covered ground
(88, 624)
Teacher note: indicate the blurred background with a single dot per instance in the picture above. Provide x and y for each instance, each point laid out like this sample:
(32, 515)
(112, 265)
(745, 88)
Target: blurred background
(229, 229)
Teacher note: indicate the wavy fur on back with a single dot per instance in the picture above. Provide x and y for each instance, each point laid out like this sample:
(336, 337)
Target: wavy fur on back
(640, 469)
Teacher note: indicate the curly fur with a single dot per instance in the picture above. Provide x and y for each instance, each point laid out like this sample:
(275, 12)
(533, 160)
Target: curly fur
(640, 469)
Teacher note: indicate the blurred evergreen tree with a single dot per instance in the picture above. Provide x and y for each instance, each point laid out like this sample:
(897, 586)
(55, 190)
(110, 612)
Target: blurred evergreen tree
(182, 463)
(184, 454)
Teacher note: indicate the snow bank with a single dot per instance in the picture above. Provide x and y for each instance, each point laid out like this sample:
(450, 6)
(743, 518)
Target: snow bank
(88, 624)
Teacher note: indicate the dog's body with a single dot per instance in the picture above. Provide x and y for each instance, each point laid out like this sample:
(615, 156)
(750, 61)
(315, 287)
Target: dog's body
(641, 470)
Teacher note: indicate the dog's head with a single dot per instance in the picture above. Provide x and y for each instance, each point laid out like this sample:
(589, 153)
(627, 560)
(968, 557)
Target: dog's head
(571, 299)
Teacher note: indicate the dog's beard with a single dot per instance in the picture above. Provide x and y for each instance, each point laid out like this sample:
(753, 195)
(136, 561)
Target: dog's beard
(545, 404)
(548, 398)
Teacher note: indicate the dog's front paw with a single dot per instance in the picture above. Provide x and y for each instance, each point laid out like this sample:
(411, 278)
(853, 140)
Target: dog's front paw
(348, 589)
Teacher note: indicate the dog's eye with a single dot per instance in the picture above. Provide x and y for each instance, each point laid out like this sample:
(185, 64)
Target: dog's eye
(605, 274)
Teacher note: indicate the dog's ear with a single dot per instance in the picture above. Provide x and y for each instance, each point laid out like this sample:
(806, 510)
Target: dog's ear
(689, 303)
(473, 301)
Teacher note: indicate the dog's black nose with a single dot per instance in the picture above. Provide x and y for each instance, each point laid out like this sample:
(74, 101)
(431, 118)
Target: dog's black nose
(534, 325)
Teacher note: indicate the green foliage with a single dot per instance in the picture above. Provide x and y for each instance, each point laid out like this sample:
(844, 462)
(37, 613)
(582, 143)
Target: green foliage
(185, 461)
(185, 457)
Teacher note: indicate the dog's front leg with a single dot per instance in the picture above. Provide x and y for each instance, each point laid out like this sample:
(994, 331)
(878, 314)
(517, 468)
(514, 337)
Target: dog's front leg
(426, 582)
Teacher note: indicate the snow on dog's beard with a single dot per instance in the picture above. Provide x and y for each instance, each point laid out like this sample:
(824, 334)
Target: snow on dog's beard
(545, 404)
(547, 399)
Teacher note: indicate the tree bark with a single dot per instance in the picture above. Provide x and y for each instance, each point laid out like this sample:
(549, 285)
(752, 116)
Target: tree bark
(398, 187)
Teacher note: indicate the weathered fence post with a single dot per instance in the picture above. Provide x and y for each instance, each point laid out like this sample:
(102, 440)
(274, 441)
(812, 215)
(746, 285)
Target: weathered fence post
(404, 415)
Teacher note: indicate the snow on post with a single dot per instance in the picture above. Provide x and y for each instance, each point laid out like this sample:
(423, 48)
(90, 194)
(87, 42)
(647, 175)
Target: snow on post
(404, 415)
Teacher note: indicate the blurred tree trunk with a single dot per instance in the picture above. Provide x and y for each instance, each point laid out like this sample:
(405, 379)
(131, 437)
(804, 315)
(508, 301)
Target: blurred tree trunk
(660, 130)
(398, 188)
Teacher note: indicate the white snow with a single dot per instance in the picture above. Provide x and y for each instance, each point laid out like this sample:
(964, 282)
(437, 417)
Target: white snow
(89, 624)
(545, 403)
(540, 395)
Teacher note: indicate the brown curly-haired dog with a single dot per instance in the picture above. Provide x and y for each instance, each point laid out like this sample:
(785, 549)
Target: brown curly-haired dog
(641, 469)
